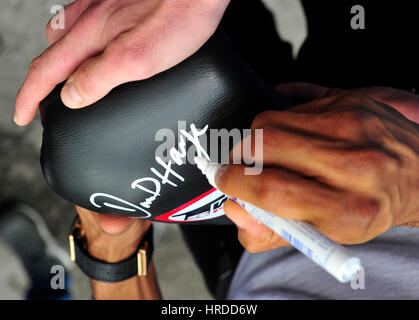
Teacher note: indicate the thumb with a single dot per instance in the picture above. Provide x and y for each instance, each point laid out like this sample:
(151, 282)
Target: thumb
(97, 76)
(253, 235)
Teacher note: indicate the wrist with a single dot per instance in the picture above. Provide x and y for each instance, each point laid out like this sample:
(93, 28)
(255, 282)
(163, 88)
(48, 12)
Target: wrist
(111, 247)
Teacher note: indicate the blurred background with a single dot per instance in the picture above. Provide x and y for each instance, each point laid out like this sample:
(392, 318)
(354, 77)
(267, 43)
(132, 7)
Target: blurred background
(22, 24)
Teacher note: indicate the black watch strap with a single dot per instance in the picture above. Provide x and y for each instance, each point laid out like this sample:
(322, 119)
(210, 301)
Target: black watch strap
(99, 270)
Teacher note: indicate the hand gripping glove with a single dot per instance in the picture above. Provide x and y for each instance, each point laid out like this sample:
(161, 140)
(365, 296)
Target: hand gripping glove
(106, 157)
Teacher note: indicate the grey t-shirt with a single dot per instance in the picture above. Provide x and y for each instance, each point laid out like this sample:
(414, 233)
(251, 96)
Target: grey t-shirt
(390, 271)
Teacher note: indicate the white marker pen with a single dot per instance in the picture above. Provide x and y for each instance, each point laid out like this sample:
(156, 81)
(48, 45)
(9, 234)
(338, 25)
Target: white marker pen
(332, 257)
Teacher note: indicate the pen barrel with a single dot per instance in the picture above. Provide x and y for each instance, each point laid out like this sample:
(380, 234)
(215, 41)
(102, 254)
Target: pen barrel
(332, 257)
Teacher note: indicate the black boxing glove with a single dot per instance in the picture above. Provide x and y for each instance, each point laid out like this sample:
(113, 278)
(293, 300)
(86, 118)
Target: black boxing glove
(103, 157)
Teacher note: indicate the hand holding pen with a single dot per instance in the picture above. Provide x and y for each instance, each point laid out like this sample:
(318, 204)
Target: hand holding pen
(336, 162)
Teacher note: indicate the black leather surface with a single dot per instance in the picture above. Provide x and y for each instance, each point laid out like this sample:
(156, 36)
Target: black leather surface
(105, 147)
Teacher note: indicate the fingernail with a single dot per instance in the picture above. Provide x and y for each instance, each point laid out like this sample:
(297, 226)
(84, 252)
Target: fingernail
(71, 98)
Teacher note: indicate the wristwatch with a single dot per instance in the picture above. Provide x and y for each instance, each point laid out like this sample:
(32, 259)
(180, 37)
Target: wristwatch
(99, 270)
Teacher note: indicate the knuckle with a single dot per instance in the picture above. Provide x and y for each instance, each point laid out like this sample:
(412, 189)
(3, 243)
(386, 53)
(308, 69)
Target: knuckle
(259, 121)
(249, 244)
(35, 66)
(369, 165)
(133, 60)
(85, 80)
(92, 16)
(269, 189)
(351, 122)
(353, 118)
(364, 214)
(270, 239)
(351, 99)
(58, 53)
(393, 165)
(270, 138)
(358, 221)
(371, 159)
(87, 19)
(335, 92)
(37, 69)
(382, 162)
(130, 55)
